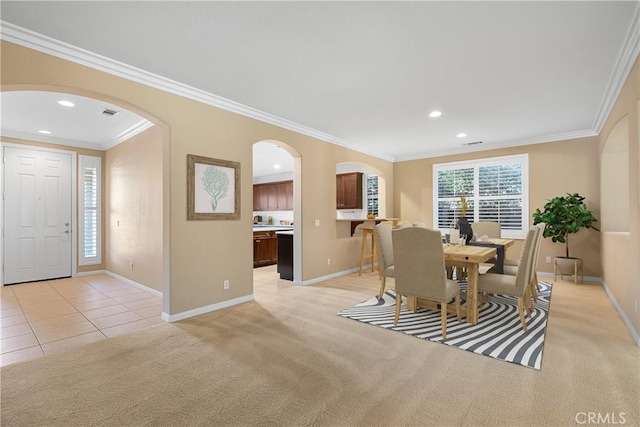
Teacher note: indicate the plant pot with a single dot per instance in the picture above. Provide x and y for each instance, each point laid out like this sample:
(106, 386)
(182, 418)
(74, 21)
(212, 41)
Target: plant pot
(569, 266)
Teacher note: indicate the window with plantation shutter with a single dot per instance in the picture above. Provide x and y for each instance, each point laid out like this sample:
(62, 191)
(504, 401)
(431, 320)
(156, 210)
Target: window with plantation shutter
(372, 194)
(496, 190)
(90, 210)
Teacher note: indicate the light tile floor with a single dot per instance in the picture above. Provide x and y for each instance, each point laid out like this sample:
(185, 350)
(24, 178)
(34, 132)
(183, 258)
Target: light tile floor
(57, 315)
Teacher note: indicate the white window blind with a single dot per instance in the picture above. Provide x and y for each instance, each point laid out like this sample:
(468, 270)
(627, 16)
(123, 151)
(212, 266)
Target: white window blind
(90, 210)
(496, 190)
(372, 194)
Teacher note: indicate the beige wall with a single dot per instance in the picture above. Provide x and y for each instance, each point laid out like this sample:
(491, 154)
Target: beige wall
(614, 177)
(78, 151)
(554, 169)
(204, 253)
(621, 237)
(133, 208)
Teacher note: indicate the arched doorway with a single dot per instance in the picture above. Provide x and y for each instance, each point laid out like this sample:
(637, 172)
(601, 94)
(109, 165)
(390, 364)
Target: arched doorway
(160, 141)
(273, 162)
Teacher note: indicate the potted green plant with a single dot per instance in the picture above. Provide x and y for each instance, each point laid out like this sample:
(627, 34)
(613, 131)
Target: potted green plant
(563, 216)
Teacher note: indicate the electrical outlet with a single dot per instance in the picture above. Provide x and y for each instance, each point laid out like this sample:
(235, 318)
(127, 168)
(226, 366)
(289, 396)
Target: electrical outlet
(131, 266)
(317, 223)
(548, 260)
(226, 284)
(328, 261)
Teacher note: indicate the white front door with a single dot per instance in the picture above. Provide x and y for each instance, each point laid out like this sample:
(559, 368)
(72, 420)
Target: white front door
(37, 215)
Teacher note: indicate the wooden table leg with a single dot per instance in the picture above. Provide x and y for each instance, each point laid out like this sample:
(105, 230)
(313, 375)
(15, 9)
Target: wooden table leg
(472, 293)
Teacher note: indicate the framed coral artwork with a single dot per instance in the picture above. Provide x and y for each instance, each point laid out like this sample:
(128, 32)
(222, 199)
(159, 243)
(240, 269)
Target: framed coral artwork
(213, 188)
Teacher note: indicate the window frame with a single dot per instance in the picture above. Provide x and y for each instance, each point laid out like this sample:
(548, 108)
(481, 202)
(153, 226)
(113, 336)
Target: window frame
(476, 164)
(84, 163)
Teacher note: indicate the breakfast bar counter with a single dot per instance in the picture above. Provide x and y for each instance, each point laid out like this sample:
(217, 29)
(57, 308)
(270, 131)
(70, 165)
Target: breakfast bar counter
(357, 221)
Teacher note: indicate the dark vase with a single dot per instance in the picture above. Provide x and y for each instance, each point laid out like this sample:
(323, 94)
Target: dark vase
(465, 228)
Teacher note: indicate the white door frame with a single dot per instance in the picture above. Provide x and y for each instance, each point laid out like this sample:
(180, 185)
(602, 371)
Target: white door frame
(74, 205)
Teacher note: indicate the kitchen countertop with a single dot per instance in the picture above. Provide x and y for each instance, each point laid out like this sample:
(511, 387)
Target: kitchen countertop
(272, 227)
(285, 232)
(367, 219)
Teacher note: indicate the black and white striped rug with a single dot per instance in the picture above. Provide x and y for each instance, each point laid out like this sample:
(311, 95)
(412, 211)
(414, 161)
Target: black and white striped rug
(498, 333)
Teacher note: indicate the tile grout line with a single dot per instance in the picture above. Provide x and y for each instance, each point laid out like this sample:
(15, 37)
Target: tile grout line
(89, 320)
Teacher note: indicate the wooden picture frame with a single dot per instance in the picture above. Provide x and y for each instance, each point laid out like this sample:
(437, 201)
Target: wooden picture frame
(213, 188)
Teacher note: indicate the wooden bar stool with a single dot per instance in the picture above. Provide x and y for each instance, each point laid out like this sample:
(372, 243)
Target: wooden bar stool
(366, 232)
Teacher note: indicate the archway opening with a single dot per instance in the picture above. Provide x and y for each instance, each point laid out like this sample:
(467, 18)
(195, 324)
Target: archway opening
(118, 162)
(277, 201)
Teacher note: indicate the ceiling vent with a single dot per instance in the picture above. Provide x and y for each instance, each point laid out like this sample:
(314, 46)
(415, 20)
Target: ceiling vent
(109, 113)
(473, 143)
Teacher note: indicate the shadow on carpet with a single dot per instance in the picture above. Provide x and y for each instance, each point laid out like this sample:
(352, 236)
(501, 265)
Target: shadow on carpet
(498, 333)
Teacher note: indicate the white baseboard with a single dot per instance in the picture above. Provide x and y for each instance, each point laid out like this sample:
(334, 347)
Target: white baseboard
(89, 273)
(134, 284)
(206, 309)
(625, 319)
(332, 276)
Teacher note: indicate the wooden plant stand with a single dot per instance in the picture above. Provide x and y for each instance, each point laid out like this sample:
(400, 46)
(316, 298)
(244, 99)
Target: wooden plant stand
(577, 269)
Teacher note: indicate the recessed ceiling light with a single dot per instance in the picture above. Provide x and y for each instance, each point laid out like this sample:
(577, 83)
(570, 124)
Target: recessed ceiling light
(461, 135)
(66, 103)
(435, 114)
(276, 166)
(45, 132)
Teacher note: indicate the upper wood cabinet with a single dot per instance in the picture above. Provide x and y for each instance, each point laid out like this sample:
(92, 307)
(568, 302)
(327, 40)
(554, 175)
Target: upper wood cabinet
(273, 196)
(349, 190)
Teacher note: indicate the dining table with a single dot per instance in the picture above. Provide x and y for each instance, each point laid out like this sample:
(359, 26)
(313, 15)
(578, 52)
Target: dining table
(469, 257)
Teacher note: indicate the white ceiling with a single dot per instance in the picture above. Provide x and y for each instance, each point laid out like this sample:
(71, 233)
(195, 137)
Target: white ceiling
(365, 74)
(25, 113)
(266, 155)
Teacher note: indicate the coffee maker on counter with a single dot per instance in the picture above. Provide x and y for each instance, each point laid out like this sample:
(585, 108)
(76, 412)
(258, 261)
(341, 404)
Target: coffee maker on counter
(257, 219)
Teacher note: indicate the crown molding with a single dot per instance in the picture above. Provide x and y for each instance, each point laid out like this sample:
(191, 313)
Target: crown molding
(498, 145)
(137, 128)
(626, 59)
(41, 43)
(9, 133)
(132, 131)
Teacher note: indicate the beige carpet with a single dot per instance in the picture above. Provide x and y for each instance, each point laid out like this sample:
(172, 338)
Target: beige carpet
(287, 359)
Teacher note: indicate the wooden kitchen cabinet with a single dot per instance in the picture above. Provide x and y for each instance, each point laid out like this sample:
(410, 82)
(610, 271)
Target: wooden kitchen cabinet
(265, 248)
(349, 190)
(273, 196)
(260, 198)
(285, 195)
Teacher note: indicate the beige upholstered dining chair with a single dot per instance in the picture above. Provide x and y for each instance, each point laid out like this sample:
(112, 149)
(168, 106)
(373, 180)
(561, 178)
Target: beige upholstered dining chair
(382, 235)
(511, 266)
(419, 270)
(518, 285)
(486, 228)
